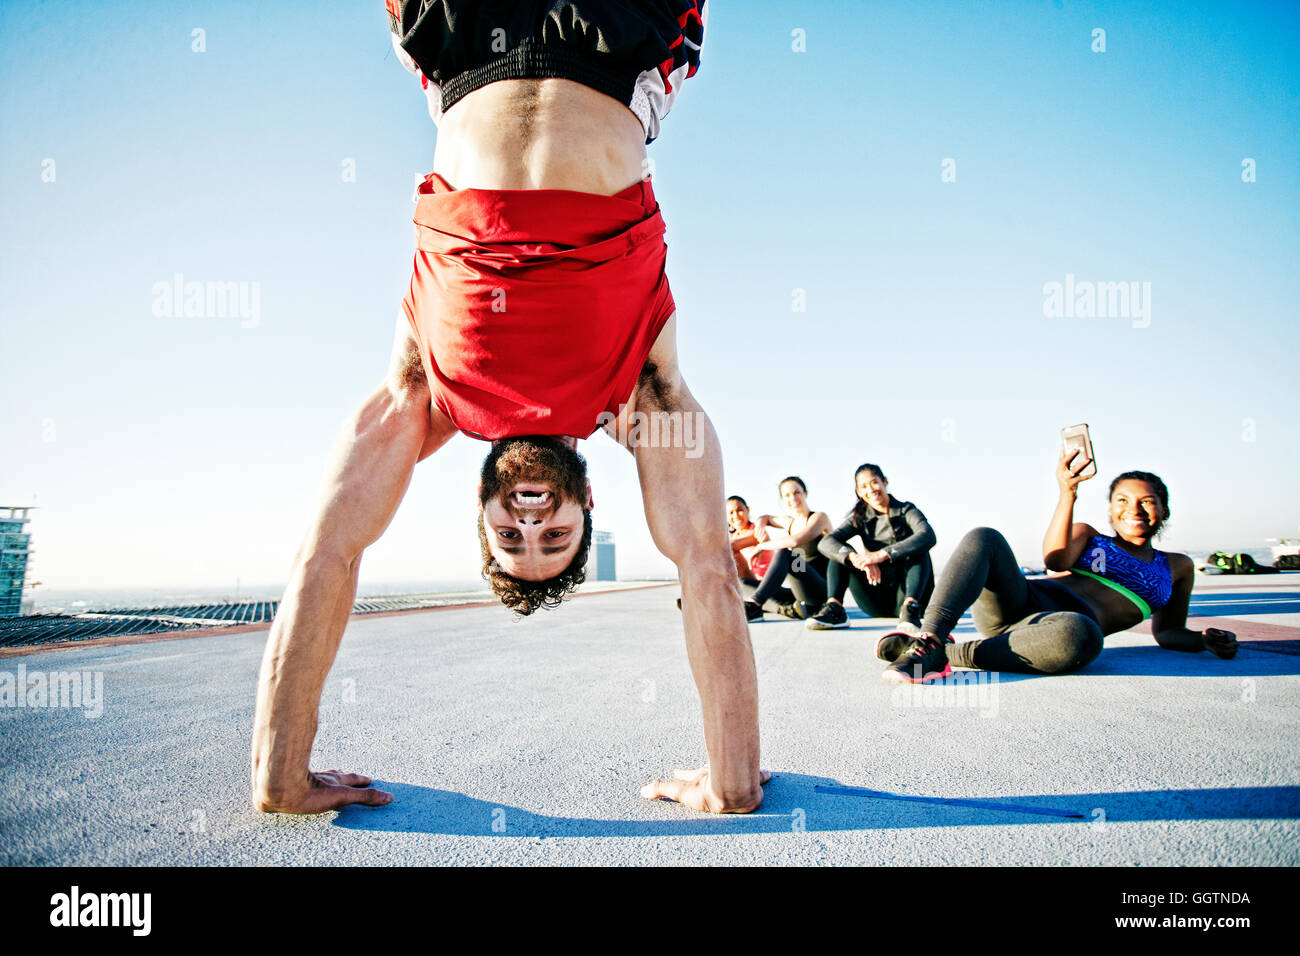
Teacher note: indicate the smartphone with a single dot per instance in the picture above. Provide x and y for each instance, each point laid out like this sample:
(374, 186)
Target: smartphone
(1076, 436)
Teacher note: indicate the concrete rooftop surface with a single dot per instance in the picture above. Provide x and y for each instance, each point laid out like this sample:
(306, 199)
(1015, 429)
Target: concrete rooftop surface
(526, 741)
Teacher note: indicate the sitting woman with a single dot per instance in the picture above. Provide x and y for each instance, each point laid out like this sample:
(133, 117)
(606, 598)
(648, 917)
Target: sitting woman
(1056, 625)
(895, 577)
(794, 554)
(751, 560)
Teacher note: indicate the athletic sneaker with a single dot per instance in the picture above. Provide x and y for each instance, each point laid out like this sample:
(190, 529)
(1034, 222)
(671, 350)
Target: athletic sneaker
(910, 621)
(894, 645)
(796, 611)
(925, 660)
(831, 615)
(753, 612)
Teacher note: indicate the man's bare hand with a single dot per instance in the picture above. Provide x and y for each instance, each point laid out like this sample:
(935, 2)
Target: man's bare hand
(327, 790)
(692, 788)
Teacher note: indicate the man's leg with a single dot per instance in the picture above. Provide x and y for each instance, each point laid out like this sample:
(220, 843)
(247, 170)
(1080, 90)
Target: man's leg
(368, 474)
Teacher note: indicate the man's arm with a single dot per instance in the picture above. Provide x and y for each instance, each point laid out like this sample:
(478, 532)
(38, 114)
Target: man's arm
(681, 493)
(368, 474)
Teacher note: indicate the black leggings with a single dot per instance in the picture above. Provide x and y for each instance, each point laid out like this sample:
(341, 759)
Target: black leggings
(807, 581)
(1031, 627)
(883, 600)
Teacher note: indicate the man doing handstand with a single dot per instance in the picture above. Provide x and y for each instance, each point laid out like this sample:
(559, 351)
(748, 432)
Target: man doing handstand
(538, 313)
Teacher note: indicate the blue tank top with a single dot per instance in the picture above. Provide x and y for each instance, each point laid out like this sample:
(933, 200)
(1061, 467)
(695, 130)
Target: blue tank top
(1152, 582)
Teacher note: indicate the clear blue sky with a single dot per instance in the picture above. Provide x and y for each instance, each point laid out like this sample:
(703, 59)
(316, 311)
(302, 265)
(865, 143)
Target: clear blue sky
(188, 451)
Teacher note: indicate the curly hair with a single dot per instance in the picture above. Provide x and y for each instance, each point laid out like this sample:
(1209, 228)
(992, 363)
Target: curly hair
(525, 597)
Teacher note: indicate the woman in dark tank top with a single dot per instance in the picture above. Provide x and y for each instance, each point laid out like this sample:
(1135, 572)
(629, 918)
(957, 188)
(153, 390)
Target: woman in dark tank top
(797, 555)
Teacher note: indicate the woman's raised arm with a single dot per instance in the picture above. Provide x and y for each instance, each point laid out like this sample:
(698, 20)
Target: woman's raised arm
(1065, 540)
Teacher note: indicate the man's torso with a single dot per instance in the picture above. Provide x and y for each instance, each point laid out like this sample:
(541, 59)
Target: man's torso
(545, 132)
(540, 134)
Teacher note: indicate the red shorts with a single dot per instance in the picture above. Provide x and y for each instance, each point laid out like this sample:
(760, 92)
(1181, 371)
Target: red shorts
(535, 310)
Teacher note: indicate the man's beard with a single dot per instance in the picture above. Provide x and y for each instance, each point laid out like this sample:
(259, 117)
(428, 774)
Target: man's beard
(531, 459)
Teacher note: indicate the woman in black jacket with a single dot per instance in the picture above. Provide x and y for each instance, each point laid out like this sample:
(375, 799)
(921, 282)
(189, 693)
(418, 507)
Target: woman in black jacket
(895, 577)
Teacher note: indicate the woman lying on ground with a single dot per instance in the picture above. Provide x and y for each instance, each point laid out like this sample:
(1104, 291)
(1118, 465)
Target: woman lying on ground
(1055, 625)
(894, 577)
(794, 553)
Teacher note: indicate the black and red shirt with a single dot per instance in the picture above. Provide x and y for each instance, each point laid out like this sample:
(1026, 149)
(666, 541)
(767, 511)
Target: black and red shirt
(637, 51)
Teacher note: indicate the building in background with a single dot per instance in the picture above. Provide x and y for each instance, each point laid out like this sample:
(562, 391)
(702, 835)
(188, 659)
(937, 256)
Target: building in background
(601, 565)
(15, 548)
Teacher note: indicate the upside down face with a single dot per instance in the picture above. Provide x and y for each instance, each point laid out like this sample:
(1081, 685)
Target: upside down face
(532, 496)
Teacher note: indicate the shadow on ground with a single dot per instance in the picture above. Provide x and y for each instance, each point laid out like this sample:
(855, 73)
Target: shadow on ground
(792, 805)
(1146, 661)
